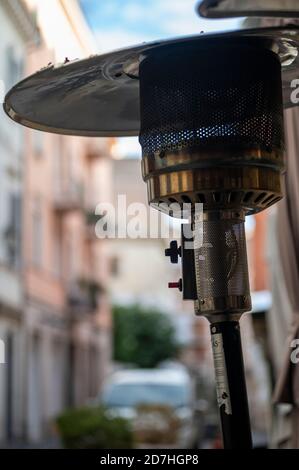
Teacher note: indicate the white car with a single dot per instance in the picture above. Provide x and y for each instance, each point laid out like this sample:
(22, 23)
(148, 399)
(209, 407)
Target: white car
(160, 403)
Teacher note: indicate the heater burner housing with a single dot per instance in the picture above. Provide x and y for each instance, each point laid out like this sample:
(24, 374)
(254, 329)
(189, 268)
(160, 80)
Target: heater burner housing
(210, 137)
(216, 139)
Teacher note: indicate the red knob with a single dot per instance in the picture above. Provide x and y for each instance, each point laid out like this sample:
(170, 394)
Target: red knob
(176, 285)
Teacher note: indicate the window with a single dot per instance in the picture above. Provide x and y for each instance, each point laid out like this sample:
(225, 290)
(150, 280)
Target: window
(12, 233)
(13, 72)
(37, 233)
(71, 255)
(130, 394)
(57, 258)
(14, 68)
(114, 264)
(38, 143)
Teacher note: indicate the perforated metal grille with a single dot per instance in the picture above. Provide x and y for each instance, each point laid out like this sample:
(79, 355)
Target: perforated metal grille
(224, 95)
(221, 260)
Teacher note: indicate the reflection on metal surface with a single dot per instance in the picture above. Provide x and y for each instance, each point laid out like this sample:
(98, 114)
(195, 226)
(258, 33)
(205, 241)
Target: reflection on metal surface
(254, 188)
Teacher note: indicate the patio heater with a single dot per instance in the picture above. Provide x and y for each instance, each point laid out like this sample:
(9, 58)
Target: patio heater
(208, 110)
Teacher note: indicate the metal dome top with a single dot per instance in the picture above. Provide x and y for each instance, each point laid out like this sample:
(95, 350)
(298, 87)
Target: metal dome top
(99, 96)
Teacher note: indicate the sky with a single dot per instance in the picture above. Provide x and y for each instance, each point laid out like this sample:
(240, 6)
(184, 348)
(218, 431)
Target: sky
(121, 23)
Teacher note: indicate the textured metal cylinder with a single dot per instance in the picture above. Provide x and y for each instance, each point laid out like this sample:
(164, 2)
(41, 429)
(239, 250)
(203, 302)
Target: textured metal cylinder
(221, 263)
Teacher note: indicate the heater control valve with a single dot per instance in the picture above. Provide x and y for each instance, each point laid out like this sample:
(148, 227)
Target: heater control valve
(173, 252)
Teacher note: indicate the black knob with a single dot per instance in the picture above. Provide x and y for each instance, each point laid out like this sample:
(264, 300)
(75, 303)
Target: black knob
(173, 252)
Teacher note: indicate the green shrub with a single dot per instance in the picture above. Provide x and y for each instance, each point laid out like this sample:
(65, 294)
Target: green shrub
(93, 428)
(142, 336)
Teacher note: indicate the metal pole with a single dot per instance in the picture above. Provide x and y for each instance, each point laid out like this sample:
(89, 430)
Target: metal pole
(231, 385)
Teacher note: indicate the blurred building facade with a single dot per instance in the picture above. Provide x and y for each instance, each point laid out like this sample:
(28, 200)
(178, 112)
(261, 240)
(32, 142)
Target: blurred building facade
(18, 31)
(54, 308)
(54, 271)
(141, 271)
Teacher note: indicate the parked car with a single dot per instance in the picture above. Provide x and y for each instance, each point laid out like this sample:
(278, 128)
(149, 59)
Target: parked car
(160, 403)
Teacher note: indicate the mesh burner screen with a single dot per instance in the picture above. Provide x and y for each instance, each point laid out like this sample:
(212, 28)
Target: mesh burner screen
(190, 99)
(221, 264)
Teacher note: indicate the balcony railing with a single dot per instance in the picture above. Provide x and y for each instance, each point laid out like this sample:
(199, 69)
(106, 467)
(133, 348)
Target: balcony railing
(98, 149)
(69, 199)
(91, 220)
(12, 239)
(84, 297)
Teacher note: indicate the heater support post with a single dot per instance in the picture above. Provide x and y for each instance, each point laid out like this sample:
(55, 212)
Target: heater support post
(231, 385)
